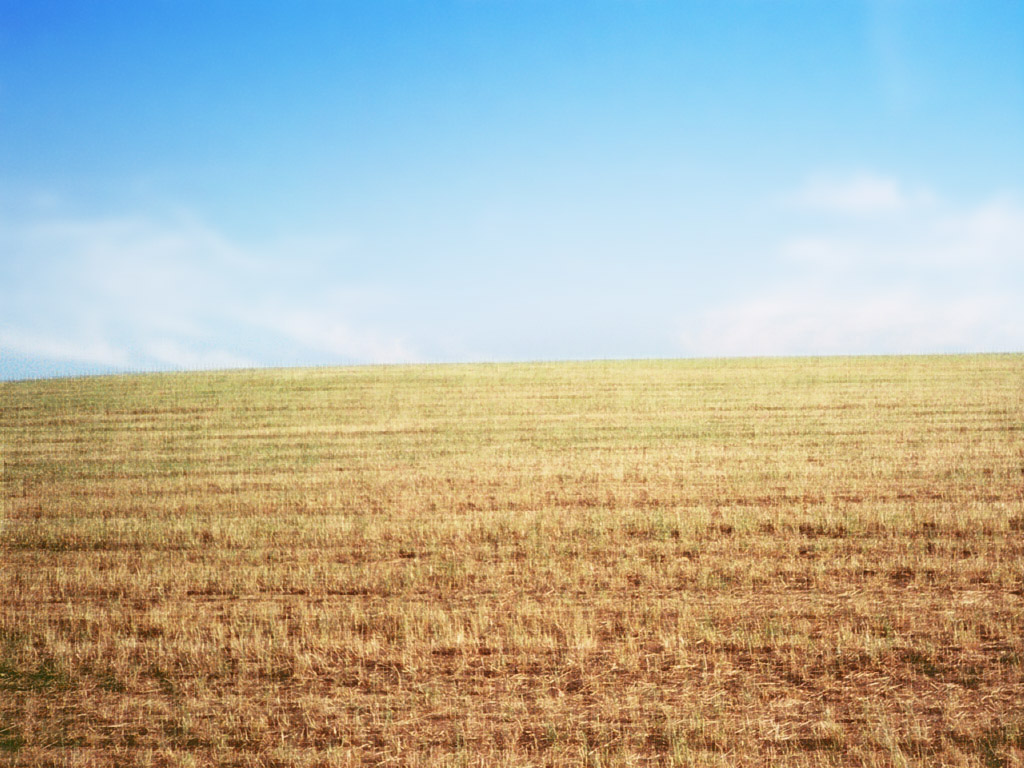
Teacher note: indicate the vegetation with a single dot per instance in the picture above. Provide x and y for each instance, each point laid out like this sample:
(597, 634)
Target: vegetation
(714, 563)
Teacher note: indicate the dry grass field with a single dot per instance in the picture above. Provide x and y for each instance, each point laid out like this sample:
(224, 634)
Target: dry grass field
(793, 562)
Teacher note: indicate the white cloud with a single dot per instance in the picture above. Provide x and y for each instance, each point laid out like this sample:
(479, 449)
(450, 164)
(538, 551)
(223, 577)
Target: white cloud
(940, 237)
(935, 277)
(142, 293)
(861, 194)
(991, 232)
(325, 333)
(791, 322)
(912, 272)
(73, 348)
(177, 355)
(820, 252)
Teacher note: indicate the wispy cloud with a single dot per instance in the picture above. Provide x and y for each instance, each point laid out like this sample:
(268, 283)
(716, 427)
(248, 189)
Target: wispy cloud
(808, 321)
(142, 293)
(323, 331)
(79, 348)
(174, 354)
(989, 233)
(884, 266)
(929, 276)
(860, 194)
(937, 236)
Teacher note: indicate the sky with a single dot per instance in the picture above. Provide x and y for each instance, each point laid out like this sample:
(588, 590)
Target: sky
(190, 185)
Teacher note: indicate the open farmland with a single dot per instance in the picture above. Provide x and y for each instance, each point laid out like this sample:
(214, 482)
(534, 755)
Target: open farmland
(792, 562)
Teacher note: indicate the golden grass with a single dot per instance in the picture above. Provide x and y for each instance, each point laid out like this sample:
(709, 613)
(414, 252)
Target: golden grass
(714, 563)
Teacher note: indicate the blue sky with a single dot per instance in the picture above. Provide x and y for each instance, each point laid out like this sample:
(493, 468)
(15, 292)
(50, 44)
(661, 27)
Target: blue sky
(189, 185)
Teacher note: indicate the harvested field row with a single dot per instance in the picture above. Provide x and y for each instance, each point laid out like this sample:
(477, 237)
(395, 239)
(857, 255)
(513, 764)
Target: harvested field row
(747, 562)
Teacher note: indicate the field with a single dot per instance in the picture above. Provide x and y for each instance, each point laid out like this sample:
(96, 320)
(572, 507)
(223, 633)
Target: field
(791, 562)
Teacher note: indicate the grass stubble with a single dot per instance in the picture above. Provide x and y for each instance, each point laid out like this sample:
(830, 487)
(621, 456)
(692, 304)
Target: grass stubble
(791, 562)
